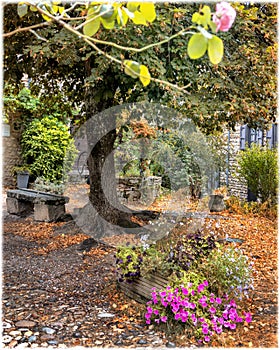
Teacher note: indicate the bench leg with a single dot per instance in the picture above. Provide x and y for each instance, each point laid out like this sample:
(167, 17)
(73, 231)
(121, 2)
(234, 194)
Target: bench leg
(48, 213)
(15, 206)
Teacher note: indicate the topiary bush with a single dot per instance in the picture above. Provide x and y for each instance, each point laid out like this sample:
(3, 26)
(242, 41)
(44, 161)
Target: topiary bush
(48, 148)
(258, 166)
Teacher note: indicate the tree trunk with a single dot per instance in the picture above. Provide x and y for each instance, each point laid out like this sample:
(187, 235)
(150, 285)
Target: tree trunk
(104, 215)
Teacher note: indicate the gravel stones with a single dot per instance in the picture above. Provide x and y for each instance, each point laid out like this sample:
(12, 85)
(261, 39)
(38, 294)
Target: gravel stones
(25, 324)
(48, 330)
(105, 315)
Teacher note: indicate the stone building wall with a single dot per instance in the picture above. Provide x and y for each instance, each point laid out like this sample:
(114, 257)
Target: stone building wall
(10, 155)
(236, 187)
(230, 178)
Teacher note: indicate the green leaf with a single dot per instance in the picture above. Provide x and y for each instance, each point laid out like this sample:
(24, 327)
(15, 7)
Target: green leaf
(132, 6)
(213, 26)
(148, 11)
(92, 27)
(132, 67)
(144, 75)
(215, 49)
(108, 23)
(197, 46)
(22, 9)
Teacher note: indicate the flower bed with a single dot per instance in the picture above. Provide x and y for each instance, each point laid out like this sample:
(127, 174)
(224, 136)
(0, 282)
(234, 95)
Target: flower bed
(192, 280)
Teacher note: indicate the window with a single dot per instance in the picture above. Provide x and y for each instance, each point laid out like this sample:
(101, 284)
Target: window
(258, 136)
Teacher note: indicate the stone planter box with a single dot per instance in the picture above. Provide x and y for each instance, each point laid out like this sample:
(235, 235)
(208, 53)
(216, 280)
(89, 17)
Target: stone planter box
(141, 289)
(216, 203)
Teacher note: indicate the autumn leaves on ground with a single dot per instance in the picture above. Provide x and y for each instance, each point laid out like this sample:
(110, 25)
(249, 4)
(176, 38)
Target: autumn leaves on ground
(92, 271)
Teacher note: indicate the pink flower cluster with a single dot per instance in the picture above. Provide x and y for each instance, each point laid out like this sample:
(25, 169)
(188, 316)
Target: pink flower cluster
(185, 304)
(224, 16)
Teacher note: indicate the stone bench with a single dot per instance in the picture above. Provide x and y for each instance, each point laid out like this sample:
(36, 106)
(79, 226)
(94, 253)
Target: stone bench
(46, 206)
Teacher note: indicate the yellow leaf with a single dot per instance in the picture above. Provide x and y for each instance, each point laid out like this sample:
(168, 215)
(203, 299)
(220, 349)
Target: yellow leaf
(46, 18)
(139, 18)
(122, 17)
(148, 11)
(145, 76)
(54, 9)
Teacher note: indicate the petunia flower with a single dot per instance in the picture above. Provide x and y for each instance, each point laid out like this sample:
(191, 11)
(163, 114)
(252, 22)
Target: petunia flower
(224, 16)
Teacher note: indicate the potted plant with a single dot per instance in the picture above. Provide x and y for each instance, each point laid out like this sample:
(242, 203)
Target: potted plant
(23, 173)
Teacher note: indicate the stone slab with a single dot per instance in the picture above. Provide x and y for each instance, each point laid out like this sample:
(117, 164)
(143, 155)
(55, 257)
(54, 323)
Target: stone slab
(48, 213)
(14, 206)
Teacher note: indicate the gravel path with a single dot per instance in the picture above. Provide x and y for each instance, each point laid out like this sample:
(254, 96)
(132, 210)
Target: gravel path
(66, 298)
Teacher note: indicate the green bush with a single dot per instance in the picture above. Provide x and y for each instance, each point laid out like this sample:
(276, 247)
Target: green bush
(227, 270)
(48, 148)
(258, 166)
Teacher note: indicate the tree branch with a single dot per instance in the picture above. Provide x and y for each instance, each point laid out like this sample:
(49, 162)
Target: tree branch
(25, 29)
(90, 41)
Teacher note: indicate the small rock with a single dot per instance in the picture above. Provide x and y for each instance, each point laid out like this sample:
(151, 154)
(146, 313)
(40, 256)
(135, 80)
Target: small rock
(98, 342)
(46, 337)
(32, 338)
(6, 325)
(52, 342)
(6, 339)
(119, 342)
(105, 314)
(15, 333)
(25, 324)
(13, 343)
(52, 299)
(22, 345)
(170, 345)
(28, 334)
(48, 330)
(142, 341)
(58, 325)
(77, 335)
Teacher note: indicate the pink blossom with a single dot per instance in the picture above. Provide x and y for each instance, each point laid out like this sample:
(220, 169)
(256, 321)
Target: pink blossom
(163, 318)
(248, 317)
(224, 16)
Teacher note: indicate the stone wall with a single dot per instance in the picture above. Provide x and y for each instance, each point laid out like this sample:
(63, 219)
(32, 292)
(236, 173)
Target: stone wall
(10, 155)
(236, 187)
(139, 190)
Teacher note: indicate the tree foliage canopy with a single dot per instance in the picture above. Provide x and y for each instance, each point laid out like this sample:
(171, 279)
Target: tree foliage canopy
(241, 89)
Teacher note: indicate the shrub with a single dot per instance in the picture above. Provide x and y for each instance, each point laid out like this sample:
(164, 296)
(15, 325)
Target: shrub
(48, 149)
(228, 271)
(258, 166)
